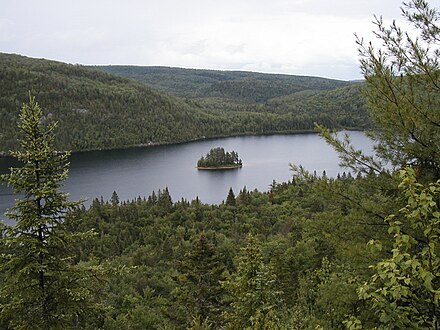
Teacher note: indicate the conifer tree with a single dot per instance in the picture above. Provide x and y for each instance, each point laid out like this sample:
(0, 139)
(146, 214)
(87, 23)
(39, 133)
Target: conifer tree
(255, 300)
(115, 199)
(403, 88)
(244, 196)
(164, 201)
(230, 200)
(201, 272)
(42, 289)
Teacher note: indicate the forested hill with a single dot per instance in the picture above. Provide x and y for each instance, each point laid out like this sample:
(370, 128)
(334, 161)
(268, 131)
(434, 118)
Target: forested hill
(333, 103)
(100, 110)
(237, 85)
(94, 109)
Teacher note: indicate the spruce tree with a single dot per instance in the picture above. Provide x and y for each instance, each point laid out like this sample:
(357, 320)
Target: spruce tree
(164, 201)
(115, 199)
(255, 302)
(201, 271)
(42, 288)
(230, 200)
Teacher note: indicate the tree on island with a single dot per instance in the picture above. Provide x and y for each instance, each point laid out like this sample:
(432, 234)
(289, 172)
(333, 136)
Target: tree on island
(217, 157)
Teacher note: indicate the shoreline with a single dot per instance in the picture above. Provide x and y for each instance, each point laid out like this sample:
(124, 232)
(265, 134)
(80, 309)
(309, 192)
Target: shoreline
(4, 154)
(214, 168)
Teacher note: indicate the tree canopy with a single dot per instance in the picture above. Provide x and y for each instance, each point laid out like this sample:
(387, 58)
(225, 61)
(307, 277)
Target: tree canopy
(99, 110)
(218, 158)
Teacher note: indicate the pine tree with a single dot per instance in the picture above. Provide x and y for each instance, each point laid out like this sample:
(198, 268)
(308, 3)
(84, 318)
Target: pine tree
(43, 289)
(402, 80)
(402, 89)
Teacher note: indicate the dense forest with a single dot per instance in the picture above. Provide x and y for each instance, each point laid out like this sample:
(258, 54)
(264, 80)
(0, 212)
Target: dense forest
(333, 103)
(358, 251)
(238, 85)
(98, 110)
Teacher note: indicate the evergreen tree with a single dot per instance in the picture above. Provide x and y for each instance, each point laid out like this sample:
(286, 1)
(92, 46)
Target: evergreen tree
(42, 288)
(230, 200)
(200, 290)
(152, 199)
(244, 196)
(402, 79)
(164, 201)
(403, 89)
(115, 199)
(217, 157)
(255, 300)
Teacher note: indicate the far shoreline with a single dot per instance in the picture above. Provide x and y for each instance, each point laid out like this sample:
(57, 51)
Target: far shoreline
(4, 154)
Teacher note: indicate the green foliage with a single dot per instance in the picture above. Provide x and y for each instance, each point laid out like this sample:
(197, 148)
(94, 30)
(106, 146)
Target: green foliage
(230, 199)
(238, 85)
(311, 256)
(287, 102)
(115, 198)
(402, 93)
(97, 110)
(349, 156)
(405, 287)
(42, 288)
(199, 325)
(254, 300)
(217, 157)
(403, 88)
(199, 290)
(339, 107)
(317, 292)
(169, 249)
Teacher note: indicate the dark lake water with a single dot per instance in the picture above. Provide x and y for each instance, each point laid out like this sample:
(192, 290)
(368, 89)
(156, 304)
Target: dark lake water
(138, 171)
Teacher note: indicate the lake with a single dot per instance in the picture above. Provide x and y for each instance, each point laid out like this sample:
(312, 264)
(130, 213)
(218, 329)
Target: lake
(138, 171)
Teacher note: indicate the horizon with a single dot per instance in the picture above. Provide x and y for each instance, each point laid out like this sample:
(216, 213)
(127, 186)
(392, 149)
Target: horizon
(184, 68)
(293, 37)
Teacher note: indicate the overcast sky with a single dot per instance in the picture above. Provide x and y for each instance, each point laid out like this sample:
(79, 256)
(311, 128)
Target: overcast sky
(304, 37)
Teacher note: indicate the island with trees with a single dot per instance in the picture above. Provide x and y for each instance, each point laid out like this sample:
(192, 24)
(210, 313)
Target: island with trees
(218, 159)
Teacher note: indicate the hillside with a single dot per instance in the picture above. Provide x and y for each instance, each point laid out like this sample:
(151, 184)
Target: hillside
(236, 85)
(341, 106)
(100, 110)
(334, 103)
(94, 109)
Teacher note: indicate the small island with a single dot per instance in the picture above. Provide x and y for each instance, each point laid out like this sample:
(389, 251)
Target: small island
(218, 159)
